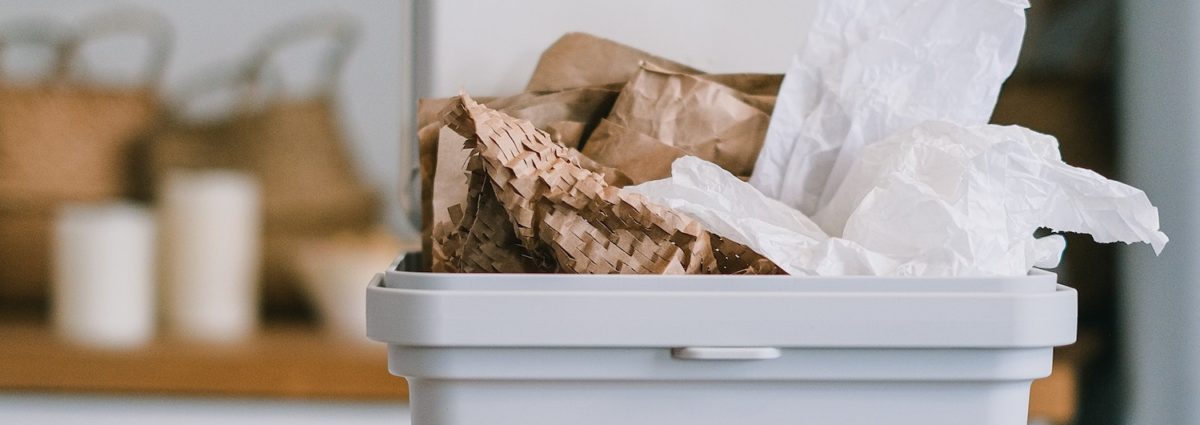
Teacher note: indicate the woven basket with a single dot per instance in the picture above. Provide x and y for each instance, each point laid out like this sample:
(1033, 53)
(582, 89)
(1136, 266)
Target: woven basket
(64, 140)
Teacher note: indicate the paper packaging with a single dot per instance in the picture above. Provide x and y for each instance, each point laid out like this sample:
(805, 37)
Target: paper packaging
(568, 116)
(941, 200)
(870, 68)
(643, 158)
(1006, 181)
(584, 225)
(662, 115)
(514, 159)
(578, 60)
(574, 61)
(452, 188)
(574, 86)
(917, 184)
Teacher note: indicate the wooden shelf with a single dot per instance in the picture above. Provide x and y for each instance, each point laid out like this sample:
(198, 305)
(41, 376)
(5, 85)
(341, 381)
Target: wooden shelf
(1053, 399)
(290, 361)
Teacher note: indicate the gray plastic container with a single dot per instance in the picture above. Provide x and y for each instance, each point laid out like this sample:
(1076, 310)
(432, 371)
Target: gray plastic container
(588, 349)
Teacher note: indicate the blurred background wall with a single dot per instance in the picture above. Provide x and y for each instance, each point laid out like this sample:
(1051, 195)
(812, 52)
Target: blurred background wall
(374, 102)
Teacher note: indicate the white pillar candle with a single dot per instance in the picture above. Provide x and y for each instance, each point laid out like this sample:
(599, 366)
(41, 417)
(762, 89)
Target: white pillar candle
(211, 230)
(103, 276)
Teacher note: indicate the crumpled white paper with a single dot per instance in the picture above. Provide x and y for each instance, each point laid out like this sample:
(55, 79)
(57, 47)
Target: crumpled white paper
(880, 135)
(736, 210)
(998, 183)
(869, 68)
(939, 200)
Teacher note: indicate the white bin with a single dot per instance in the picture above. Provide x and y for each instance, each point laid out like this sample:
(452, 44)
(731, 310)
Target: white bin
(631, 350)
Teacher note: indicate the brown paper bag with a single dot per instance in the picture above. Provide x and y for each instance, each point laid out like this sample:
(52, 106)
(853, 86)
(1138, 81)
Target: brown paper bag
(757, 90)
(580, 60)
(641, 157)
(63, 139)
(688, 114)
(749, 84)
(296, 148)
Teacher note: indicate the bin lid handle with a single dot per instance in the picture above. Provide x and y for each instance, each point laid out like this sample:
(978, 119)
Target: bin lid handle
(726, 353)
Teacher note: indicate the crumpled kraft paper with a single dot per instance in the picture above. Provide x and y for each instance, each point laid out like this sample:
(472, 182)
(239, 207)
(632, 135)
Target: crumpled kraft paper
(580, 60)
(453, 189)
(574, 87)
(481, 239)
(450, 180)
(643, 158)
(569, 116)
(870, 68)
(584, 60)
(688, 113)
(428, 128)
(757, 90)
(937, 200)
(562, 215)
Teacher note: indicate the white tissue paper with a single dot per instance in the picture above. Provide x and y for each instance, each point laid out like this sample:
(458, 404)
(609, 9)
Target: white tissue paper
(735, 210)
(880, 135)
(869, 68)
(939, 200)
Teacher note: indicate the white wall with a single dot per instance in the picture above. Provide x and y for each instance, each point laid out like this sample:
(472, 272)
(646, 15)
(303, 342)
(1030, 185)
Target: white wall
(375, 90)
(491, 47)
